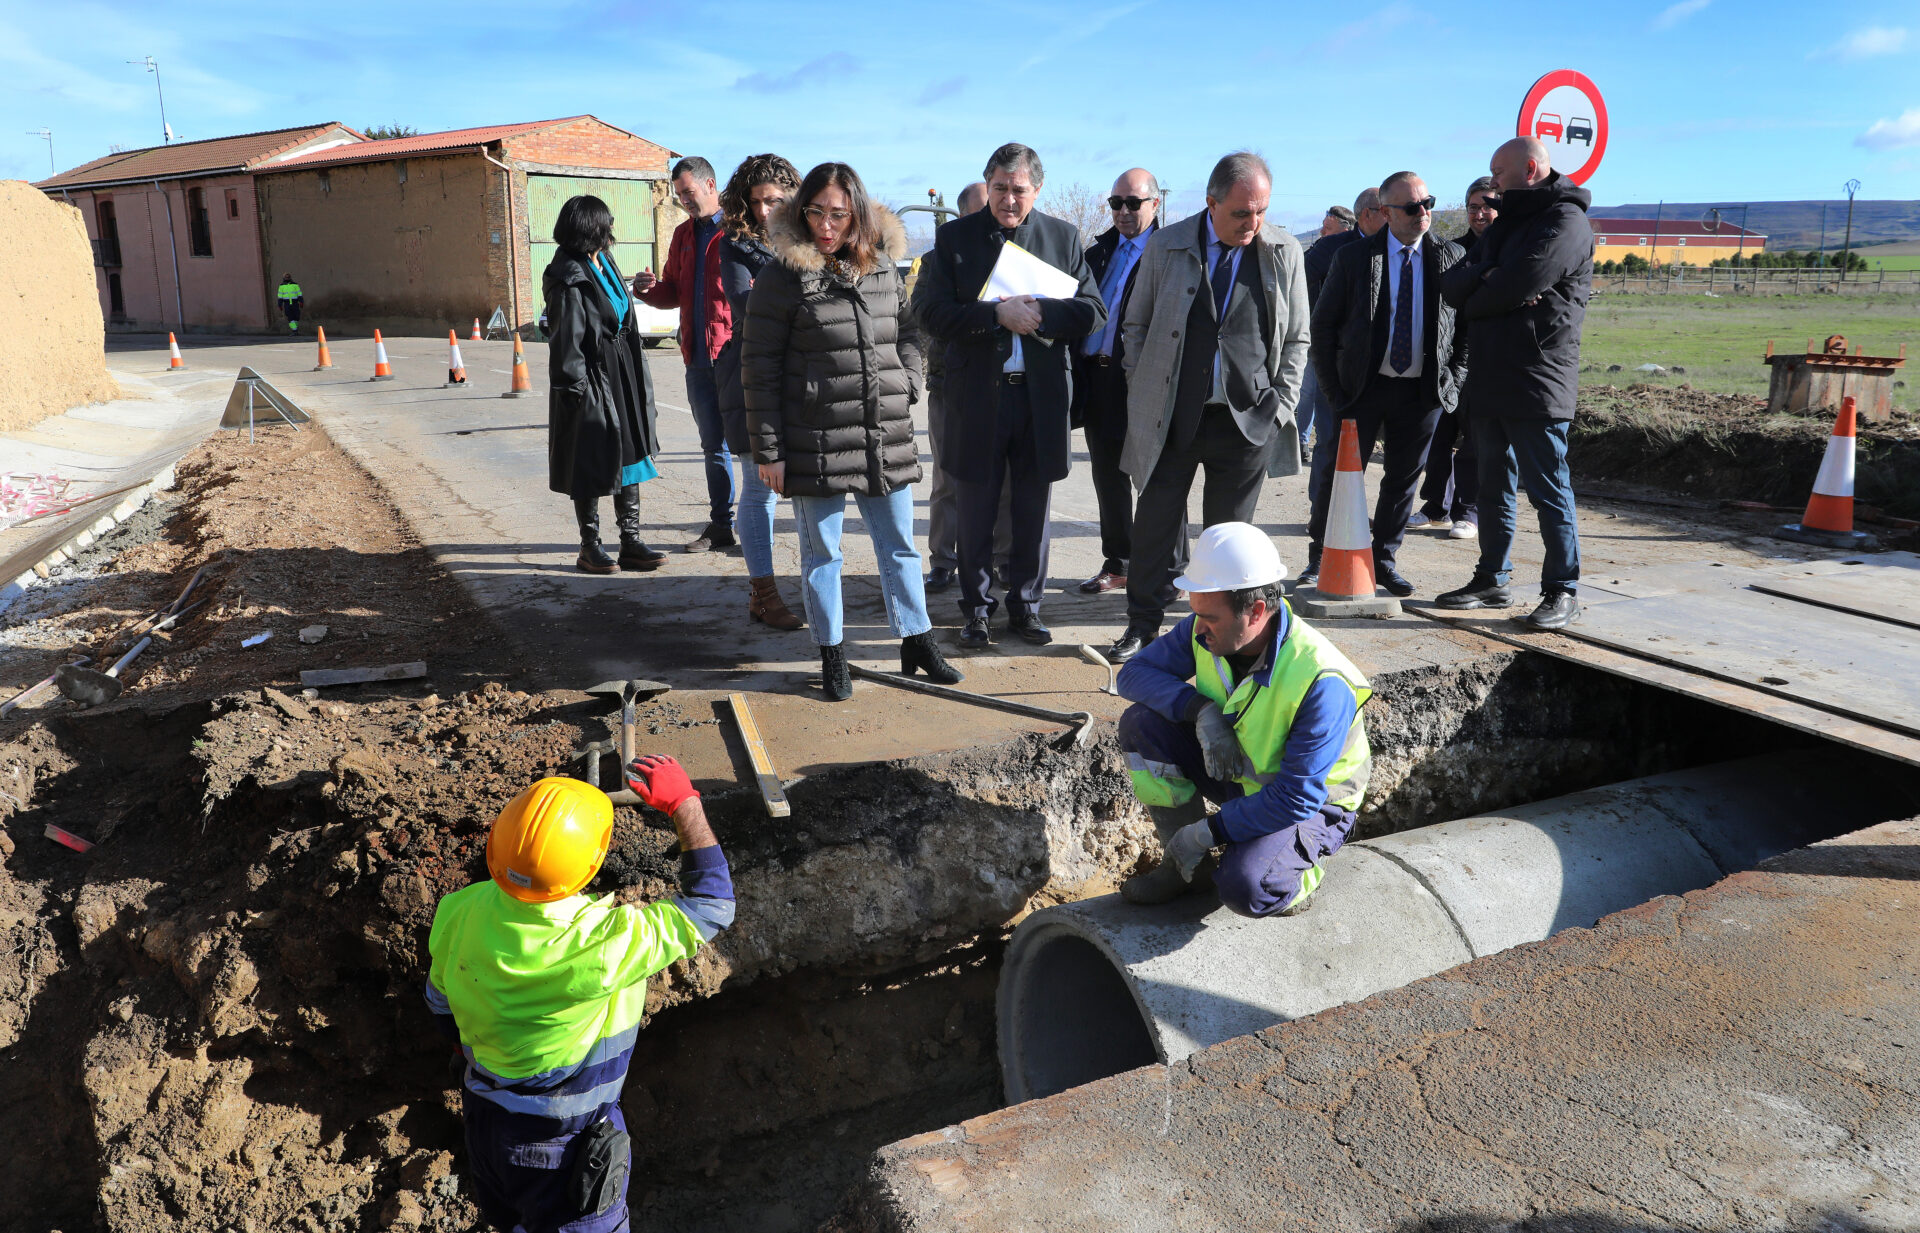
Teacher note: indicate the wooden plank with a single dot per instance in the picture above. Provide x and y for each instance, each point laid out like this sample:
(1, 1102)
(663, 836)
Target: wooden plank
(1872, 739)
(1835, 661)
(772, 795)
(316, 677)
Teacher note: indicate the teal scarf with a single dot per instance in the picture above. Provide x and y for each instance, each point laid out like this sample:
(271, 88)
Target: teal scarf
(615, 289)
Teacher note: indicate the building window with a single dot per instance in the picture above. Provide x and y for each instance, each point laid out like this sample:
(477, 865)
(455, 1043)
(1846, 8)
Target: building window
(199, 227)
(1682, 241)
(109, 233)
(326, 181)
(116, 301)
(233, 204)
(400, 169)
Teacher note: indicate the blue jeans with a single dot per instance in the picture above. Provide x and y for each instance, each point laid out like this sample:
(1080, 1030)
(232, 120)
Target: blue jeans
(703, 396)
(889, 522)
(521, 1183)
(1534, 452)
(1306, 412)
(757, 502)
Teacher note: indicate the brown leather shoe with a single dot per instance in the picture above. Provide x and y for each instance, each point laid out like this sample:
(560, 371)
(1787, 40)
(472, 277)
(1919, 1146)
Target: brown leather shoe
(766, 606)
(1102, 582)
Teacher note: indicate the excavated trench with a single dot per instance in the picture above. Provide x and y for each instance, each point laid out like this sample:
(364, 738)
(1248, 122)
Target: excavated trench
(212, 1020)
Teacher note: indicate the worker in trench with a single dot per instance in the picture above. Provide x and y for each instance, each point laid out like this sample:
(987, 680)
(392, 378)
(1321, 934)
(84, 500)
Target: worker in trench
(544, 988)
(1246, 705)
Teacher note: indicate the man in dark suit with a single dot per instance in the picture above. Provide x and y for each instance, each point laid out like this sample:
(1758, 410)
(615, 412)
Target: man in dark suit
(1100, 383)
(1008, 378)
(1388, 358)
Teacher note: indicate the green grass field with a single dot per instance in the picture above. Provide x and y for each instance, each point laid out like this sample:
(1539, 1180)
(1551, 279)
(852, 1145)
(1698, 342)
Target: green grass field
(1907, 261)
(1720, 342)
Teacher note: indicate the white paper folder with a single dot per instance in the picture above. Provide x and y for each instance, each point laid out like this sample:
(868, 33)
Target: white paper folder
(1019, 272)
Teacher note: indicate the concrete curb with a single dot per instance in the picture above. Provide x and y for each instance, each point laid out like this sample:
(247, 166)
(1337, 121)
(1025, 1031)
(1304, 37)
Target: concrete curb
(130, 504)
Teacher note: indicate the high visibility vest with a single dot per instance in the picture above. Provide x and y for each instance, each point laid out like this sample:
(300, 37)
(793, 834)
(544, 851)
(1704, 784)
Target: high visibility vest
(289, 291)
(537, 988)
(1263, 714)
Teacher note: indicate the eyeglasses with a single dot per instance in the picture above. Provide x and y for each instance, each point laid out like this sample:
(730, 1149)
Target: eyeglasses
(1423, 206)
(820, 215)
(1482, 207)
(1127, 203)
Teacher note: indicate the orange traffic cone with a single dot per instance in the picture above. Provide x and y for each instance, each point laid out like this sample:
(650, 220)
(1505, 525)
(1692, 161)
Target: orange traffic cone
(382, 371)
(326, 358)
(1829, 517)
(1346, 587)
(475, 336)
(456, 367)
(522, 383)
(173, 353)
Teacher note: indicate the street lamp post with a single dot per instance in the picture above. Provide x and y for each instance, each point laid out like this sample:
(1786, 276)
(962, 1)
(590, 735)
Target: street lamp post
(46, 135)
(153, 66)
(1846, 249)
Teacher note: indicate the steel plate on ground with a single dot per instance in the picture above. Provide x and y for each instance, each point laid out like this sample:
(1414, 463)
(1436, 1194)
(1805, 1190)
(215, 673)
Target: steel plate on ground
(1885, 588)
(1847, 664)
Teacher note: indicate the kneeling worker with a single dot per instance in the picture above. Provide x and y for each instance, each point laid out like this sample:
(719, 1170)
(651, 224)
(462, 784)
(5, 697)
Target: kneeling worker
(1269, 729)
(545, 988)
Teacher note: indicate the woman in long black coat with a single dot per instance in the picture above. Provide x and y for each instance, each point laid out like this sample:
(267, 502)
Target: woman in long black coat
(600, 416)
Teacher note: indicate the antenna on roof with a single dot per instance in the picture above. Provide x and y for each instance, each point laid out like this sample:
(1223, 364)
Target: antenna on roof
(153, 66)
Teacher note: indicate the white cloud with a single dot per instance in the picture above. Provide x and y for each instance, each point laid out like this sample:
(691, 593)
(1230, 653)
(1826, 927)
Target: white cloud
(1893, 134)
(1865, 44)
(1674, 14)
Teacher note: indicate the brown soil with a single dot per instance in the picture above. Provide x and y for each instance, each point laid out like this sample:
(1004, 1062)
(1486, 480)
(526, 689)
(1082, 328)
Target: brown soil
(1730, 447)
(49, 310)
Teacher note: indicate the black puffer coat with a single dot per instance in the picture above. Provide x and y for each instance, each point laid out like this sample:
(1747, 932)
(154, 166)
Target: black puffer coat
(741, 260)
(831, 371)
(598, 419)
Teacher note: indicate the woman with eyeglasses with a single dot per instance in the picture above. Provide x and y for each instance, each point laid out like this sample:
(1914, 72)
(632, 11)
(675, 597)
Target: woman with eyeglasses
(758, 190)
(830, 369)
(1451, 492)
(600, 416)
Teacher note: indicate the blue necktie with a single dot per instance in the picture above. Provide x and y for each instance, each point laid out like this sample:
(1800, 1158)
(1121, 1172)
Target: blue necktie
(1400, 352)
(1222, 281)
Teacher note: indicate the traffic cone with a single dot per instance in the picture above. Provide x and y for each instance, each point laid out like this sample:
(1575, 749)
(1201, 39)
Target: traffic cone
(382, 371)
(1828, 521)
(522, 383)
(173, 353)
(1346, 587)
(456, 367)
(475, 336)
(326, 357)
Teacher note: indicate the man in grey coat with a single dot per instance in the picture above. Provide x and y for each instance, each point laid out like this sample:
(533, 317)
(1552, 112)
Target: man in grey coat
(1215, 345)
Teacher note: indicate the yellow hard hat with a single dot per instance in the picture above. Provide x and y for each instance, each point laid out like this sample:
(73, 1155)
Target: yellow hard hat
(550, 840)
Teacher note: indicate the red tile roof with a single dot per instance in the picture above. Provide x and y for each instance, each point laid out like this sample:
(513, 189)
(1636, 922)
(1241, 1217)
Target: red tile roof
(425, 143)
(1604, 227)
(188, 158)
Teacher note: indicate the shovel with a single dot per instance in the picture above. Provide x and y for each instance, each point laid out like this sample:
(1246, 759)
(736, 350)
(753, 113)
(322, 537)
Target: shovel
(631, 693)
(91, 688)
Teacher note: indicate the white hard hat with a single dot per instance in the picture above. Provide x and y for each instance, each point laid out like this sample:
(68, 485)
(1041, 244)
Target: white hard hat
(1232, 556)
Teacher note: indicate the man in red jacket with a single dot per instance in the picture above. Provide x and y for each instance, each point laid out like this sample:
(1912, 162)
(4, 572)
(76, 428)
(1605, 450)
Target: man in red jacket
(690, 282)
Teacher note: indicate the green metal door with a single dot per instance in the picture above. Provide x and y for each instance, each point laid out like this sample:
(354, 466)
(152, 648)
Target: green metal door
(630, 200)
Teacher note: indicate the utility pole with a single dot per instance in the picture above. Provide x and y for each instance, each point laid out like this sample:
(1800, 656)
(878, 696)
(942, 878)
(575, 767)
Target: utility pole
(46, 135)
(1821, 258)
(1846, 250)
(153, 66)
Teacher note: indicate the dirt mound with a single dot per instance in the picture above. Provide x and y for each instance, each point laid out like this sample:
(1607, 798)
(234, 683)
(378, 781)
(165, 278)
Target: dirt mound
(1729, 446)
(55, 356)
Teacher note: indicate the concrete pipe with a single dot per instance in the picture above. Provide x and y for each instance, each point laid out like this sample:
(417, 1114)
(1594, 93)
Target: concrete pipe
(1094, 988)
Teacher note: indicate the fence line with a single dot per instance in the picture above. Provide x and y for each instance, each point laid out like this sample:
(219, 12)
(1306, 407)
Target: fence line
(1761, 280)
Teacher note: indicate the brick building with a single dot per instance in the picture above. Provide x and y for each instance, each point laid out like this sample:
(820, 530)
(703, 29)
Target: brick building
(420, 234)
(175, 228)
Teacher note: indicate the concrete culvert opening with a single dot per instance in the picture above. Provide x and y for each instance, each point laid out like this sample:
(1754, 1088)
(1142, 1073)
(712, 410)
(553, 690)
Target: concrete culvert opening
(1076, 1015)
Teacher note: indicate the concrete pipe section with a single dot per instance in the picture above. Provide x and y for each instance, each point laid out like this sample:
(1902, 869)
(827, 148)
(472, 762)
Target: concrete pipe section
(1095, 988)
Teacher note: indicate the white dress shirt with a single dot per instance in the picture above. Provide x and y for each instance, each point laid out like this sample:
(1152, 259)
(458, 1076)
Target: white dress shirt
(1394, 249)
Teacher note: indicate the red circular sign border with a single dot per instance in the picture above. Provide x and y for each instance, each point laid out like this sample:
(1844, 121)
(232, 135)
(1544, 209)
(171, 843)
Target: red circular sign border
(1580, 81)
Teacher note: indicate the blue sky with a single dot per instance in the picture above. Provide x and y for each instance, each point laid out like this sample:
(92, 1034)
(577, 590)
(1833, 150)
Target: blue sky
(1709, 99)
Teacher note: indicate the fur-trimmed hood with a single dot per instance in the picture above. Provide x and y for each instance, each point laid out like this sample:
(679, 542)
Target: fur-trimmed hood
(797, 252)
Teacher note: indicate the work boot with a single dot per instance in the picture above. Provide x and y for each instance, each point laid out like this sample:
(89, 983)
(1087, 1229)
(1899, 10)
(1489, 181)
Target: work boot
(765, 605)
(835, 681)
(1480, 592)
(593, 559)
(1557, 610)
(715, 538)
(919, 654)
(1163, 882)
(634, 553)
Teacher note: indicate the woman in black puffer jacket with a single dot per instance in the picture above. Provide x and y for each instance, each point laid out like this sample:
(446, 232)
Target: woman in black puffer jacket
(830, 369)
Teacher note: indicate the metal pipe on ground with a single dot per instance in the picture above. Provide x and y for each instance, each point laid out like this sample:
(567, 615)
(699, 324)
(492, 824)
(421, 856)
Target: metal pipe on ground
(1095, 988)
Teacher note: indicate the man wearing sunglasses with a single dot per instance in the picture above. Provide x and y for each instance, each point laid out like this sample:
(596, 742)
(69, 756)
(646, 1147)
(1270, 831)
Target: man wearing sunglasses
(1388, 358)
(1100, 383)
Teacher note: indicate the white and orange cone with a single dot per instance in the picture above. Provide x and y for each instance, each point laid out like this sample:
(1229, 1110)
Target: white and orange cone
(522, 382)
(326, 357)
(475, 336)
(382, 371)
(1829, 517)
(456, 367)
(173, 353)
(1346, 587)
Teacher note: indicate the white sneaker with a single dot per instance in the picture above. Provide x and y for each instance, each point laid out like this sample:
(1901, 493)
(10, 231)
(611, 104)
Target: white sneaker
(1463, 530)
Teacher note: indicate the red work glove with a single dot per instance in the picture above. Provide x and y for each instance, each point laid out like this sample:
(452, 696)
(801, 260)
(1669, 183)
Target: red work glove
(660, 781)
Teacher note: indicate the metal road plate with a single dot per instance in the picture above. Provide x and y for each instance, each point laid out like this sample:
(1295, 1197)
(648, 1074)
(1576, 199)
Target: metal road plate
(1847, 664)
(1886, 588)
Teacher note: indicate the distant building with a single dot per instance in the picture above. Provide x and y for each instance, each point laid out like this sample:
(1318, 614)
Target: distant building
(1667, 241)
(175, 228)
(416, 235)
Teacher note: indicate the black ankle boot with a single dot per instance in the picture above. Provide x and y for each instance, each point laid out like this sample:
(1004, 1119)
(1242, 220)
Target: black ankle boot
(634, 553)
(586, 511)
(918, 652)
(835, 681)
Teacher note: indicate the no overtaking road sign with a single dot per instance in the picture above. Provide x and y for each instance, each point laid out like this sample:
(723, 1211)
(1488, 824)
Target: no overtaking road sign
(1565, 111)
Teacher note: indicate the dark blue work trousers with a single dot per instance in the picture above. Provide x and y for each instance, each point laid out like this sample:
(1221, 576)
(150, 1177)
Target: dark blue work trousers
(520, 1182)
